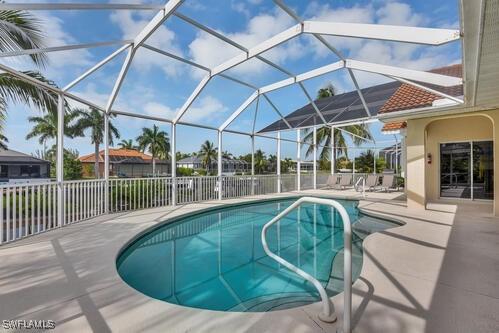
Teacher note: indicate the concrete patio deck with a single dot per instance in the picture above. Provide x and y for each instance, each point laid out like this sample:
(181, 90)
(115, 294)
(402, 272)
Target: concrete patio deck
(437, 273)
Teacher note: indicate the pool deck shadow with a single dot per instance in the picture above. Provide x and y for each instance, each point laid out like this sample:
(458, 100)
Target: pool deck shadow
(439, 272)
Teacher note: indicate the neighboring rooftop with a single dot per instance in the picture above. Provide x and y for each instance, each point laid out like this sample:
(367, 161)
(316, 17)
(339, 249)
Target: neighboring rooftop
(119, 155)
(14, 156)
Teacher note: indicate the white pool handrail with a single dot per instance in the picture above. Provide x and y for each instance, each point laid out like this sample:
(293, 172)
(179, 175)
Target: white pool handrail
(328, 313)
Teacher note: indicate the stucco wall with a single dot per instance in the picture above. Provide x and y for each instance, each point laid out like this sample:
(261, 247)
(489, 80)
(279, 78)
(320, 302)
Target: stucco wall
(425, 135)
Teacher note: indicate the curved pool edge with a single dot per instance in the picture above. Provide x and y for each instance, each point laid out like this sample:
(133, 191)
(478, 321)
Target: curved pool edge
(243, 202)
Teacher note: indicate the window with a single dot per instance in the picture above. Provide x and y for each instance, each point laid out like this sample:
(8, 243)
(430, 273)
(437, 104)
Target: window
(4, 171)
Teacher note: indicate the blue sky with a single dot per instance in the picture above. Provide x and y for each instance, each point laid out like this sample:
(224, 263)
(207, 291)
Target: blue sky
(158, 86)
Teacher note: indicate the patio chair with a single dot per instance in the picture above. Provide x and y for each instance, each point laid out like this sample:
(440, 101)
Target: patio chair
(345, 181)
(371, 182)
(332, 180)
(388, 182)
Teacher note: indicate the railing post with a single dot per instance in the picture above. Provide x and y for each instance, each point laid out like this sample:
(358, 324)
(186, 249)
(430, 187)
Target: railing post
(219, 165)
(333, 152)
(298, 160)
(106, 163)
(60, 160)
(252, 165)
(173, 153)
(315, 157)
(278, 167)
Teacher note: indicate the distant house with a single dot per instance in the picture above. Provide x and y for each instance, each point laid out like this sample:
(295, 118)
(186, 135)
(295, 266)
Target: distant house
(228, 165)
(124, 163)
(19, 167)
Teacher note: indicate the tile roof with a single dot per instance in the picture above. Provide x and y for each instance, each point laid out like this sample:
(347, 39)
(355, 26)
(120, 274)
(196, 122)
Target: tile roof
(410, 97)
(394, 126)
(119, 153)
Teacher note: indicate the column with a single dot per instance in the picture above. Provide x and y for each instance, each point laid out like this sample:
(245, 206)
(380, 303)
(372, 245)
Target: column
(278, 162)
(106, 163)
(333, 152)
(252, 165)
(315, 157)
(219, 165)
(298, 160)
(173, 153)
(60, 160)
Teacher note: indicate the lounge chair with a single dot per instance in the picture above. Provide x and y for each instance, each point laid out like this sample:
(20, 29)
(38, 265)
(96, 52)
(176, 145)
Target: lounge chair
(332, 180)
(388, 182)
(371, 182)
(345, 181)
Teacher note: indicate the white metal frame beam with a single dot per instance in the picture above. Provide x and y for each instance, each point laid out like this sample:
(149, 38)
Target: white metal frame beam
(321, 39)
(404, 73)
(394, 33)
(18, 53)
(429, 36)
(78, 6)
(96, 67)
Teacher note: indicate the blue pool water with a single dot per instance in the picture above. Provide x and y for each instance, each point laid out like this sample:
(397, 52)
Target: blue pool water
(215, 260)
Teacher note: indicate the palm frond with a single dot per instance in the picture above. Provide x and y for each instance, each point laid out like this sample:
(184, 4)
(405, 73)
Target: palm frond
(20, 30)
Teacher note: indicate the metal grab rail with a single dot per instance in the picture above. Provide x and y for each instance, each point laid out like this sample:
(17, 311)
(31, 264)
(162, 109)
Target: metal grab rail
(328, 313)
(356, 186)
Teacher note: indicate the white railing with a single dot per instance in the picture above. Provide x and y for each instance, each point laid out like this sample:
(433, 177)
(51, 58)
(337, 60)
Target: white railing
(27, 209)
(328, 313)
(30, 208)
(83, 199)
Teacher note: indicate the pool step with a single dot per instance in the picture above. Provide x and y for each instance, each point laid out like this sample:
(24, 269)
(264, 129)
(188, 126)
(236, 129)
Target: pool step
(270, 303)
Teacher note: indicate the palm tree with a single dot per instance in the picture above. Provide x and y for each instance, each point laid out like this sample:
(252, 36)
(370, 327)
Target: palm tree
(228, 155)
(93, 120)
(327, 91)
(260, 161)
(359, 133)
(156, 142)
(207, 153)
(127, 144)
(45, 127)
(272, 162)
(19, 30)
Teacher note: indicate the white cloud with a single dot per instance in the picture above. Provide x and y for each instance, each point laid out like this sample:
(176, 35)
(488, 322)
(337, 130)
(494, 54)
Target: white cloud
(211, 52)
(156, 109)
(397, 13)
(208, 107)
(390, 53)
(163, 38)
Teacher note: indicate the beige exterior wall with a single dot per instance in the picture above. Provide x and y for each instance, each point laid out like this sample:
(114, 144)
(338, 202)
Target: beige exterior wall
(425, 135)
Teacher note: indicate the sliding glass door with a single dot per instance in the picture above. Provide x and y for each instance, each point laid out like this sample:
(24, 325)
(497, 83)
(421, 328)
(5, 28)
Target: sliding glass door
(466, 170)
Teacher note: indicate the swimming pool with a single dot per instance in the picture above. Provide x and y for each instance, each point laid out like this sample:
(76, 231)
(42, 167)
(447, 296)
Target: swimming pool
(215, 260)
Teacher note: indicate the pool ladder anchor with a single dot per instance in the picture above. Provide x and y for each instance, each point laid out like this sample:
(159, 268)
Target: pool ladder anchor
(328, 313)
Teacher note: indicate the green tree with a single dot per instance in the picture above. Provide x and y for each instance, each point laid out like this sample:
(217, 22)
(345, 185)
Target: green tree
(45, 127)
(365, 162)
(156, 142)
(19, 30)
(327, 91)
(324, 137)
(260, 162)
(93, 120)
(272, 163)
(127, 144)
(207, 153)
(286, 164)
(73, 168)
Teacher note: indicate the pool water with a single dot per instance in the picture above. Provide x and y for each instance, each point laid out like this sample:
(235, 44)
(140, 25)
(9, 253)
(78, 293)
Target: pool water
(215, 259)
